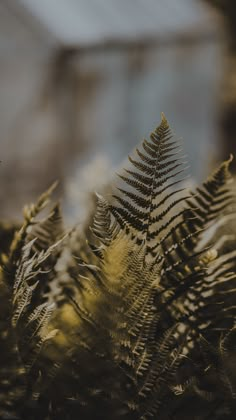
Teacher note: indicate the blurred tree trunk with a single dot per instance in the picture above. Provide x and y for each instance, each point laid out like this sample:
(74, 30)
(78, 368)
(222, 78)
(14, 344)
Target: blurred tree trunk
(228, 94)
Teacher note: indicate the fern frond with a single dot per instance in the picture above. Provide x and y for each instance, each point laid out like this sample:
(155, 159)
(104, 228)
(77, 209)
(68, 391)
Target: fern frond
(30, 212)
(47, 231)
(149, 183)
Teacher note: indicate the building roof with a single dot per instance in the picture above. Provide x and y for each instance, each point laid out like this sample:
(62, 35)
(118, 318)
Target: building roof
(74, 23)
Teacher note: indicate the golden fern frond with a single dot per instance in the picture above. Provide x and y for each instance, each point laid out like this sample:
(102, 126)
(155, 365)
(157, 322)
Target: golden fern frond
(211, 201)
(24, 320)
(47, 231)
(199, 218)
(30, 212)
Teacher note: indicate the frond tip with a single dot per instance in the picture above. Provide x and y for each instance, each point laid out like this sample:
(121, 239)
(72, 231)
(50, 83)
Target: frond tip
(159, 162)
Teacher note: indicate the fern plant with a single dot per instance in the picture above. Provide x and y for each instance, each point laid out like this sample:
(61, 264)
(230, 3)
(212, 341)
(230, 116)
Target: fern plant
(135, 320)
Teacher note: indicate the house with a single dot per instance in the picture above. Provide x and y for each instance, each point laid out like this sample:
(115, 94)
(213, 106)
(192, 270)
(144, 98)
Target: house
(80, 78)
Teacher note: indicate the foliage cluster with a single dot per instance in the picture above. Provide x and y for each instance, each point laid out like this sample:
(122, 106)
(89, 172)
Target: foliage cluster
(133, 318)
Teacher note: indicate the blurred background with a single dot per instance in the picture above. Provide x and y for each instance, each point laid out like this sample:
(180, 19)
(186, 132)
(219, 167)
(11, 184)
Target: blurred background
(83, 81)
